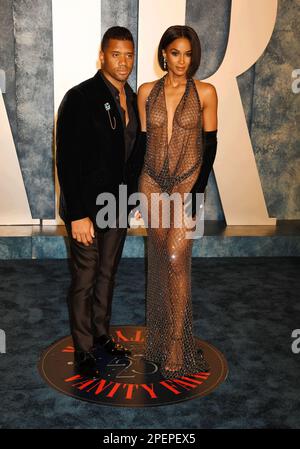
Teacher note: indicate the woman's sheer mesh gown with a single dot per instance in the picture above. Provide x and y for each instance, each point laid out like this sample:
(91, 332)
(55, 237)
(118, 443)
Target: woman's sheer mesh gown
(171, 166)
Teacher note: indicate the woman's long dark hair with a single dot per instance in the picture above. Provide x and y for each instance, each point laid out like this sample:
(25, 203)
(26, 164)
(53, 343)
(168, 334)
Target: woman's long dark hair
(175, 32)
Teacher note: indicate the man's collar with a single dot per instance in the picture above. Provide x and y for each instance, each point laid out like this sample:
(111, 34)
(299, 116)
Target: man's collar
(127, 88)
(112, 87)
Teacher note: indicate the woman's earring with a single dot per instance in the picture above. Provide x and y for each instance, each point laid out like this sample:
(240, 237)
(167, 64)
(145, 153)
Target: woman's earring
(165, 64)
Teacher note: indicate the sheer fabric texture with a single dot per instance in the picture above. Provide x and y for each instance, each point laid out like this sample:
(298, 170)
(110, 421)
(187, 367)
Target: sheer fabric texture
(172, 165)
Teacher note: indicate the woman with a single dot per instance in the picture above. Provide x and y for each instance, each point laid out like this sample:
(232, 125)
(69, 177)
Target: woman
(179, 115)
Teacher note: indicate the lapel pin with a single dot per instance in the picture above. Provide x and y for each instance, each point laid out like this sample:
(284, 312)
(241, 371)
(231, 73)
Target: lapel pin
(112, 124)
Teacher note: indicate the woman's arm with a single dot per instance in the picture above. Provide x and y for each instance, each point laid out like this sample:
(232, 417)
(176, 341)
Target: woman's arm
(209, 99)
(143, 93)
(138, 153)
(208, 94)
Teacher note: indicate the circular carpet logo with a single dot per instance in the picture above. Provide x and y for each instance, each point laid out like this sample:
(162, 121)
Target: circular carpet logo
(128, 381)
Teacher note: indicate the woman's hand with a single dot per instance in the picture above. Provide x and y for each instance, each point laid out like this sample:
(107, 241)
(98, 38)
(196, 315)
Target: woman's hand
(137, 215)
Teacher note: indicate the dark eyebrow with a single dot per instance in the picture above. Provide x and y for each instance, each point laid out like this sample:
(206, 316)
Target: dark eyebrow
(187, 51)
(126, 53)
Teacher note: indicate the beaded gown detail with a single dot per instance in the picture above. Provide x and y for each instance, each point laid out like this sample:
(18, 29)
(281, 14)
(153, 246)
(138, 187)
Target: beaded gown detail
(170, 165)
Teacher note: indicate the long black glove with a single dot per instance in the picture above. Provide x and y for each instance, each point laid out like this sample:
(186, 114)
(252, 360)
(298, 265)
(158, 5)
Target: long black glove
(136, 161)
(209, 154)
(135, 166)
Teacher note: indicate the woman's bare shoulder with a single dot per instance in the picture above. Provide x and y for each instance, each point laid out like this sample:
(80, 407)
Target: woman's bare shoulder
(145, 89)
(207, 91)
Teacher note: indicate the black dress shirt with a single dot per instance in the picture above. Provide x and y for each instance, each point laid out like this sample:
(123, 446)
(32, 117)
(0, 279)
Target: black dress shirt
(130, 130)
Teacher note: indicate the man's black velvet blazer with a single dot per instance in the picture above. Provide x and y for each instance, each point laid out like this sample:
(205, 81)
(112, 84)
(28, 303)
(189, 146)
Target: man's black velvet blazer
(90, 154)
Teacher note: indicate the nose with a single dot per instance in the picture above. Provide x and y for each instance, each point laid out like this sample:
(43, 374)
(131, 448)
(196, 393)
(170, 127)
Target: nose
(122, 60)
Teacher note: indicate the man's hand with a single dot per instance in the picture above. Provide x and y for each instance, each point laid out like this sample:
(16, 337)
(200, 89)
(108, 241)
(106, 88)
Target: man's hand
(83, 231)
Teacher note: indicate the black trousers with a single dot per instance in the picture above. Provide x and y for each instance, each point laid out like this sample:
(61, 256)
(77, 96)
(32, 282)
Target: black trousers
(93, 277)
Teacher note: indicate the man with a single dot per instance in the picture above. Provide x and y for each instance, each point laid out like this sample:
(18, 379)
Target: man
(96, 132)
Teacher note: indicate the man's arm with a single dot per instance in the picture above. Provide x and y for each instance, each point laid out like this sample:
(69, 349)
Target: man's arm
(70, 132)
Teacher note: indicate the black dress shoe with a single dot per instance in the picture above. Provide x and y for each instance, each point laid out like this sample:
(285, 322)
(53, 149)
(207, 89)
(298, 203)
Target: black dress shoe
(106, 342)
(86, 364)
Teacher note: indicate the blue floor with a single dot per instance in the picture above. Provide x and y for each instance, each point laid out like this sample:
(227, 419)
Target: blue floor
(246, 307)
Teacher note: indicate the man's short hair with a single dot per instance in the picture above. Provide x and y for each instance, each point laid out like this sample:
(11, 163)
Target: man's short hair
(119, 33)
